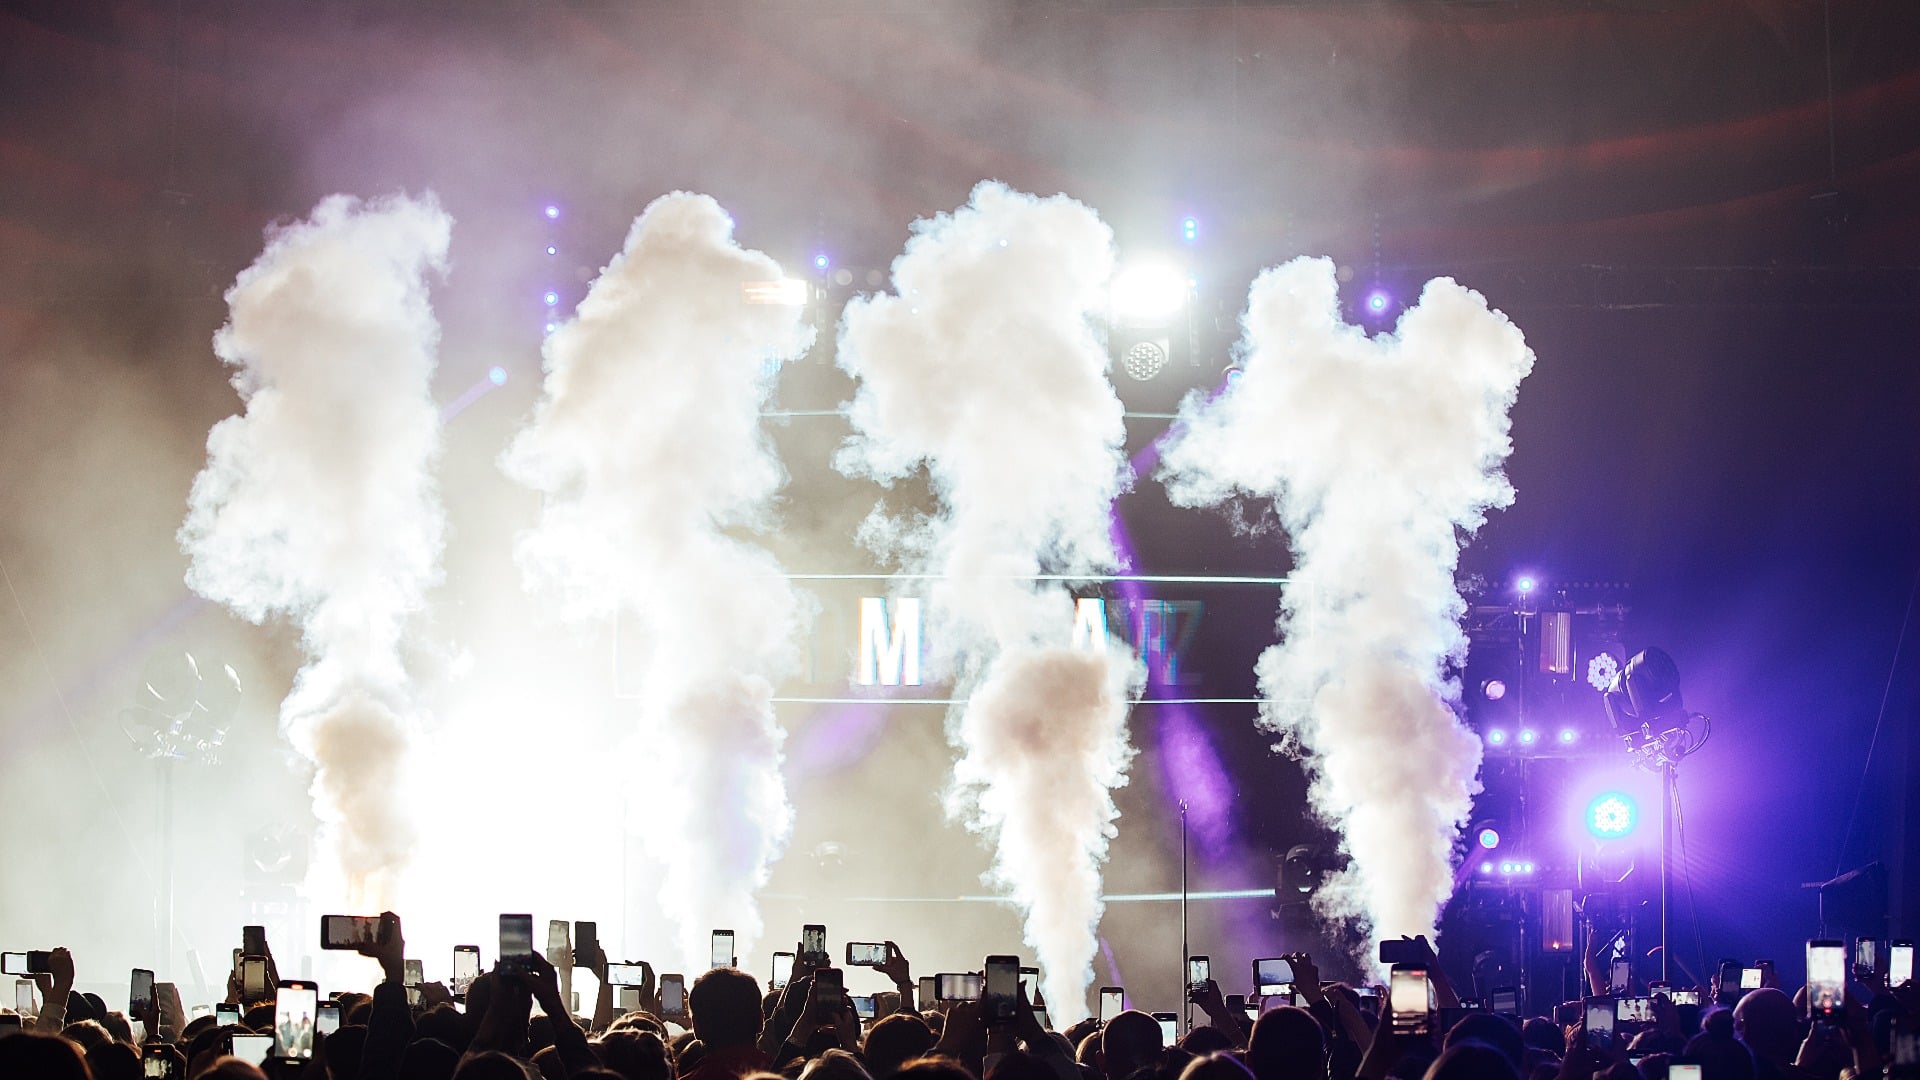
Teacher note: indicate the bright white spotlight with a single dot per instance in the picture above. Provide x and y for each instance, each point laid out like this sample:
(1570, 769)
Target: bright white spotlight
(1148, 294)
(791, 292)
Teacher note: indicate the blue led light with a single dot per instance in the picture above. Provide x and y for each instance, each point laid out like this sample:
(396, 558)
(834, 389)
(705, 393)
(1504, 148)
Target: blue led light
(551, 250)
(551, 298)
(1496, 737)
(1377, 301)
(497, 376)
(1611, 815)
(553, 212)
(821, 262)
(1527, 736)
(1566, 735)
(1190, 228)
(1489, 838)
(1486, 868)
(1526, 584)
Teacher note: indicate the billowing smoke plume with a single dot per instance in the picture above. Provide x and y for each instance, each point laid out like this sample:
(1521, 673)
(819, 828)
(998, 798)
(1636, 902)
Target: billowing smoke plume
(318, 502)
(984, 366)
(1382, 454)
(648, 447)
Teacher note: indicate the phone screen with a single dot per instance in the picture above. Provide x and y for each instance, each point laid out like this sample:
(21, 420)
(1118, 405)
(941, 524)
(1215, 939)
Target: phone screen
(1112, 1003)
(813, 941)
(1506, 1000)
(1750, 978)
(866, 953)
(585, 933)
(516, 939)
(1409, 1000)
(673, 994)
(328, 1020)
(1635, 1010)
(156, 1066)
(1599, 1022)
(253, 940)
(782, 970)
(1900, 963)
(140, 993)
(557, 940)
(1270, 973)
(862, 1005)
(1169, 1028)
(1622, 975)
(1678, 1071)
(253, 978)
(25, 998)
(347, 931)
(412, 973)
(14, 963)
(722, 948)
(224, 1014)
(1198, 971)
(1002, 990)
(1863, 953)
(929, 992)
(626, 975)
(1826, 977)
(252, 1049)
(294, 1009)
(466, 968)
(957, 986)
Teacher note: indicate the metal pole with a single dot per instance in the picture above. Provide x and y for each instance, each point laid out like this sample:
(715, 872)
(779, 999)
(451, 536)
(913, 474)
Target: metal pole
(1666, 867)
(1187, 1005)
(165, 958)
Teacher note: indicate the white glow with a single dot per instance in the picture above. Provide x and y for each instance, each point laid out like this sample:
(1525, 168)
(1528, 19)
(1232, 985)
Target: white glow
(1147, 294)
(791, 292)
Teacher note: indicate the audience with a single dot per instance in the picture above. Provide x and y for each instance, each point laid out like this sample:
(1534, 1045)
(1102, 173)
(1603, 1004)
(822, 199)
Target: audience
(731, 1031)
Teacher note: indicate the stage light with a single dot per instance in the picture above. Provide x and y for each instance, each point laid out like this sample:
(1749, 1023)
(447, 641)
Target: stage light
(1525, 584)
(1496, 737)
(551, 327)
(821, 262)
(497, 376)
(1147, 294)
(1527, 736)
(1602, 670)
(551, 250)
(1378, 301)
(791, 292)
(551, 298)
(1486, 867)
(1566, 735)
(553, 212)
(1506, 868)
(1526, 868)
(1190, 229)
(1611, 815)
(1145, 360)
(1489, 838)
(1494, 689)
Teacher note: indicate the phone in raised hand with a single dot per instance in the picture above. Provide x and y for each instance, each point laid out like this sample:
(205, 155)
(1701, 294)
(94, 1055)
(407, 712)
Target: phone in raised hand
(1409, 1001)
(722, 948)
(1112, 1003)
(1199, 971)
(782, 971)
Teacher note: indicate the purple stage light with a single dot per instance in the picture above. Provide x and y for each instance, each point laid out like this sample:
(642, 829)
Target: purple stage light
(821, 262)
(551, 298)
(1190, 229)
(1496, 737)
(1494, 689)
(553, 212)
(1489, 838)
(551, 250)
(1527, 736)
(1486, 867)
(1377, 301)
(1525, 584)
(497, 376)
(1566, 735)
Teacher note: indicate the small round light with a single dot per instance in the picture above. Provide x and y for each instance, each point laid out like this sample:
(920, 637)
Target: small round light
(1527, 736)
(1611, 815)
(1566, 735)
(1496, 737)
(1526, 584)
(551, 327)
(553, 212)
(1486, 868)
(820, 262)
(1506, 868)
(1494, 689)
(1376, 301)
(1489, 838)
(551, 250)
(1190, 228)
(551, 298)
(497, 376)
(1526, 868)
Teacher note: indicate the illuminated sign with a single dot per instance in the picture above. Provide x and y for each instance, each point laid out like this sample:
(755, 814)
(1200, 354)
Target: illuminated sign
(869, 640)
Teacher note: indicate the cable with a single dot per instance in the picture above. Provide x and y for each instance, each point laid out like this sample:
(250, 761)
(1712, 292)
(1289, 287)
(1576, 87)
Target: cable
(1693, 910)
(1860, 789)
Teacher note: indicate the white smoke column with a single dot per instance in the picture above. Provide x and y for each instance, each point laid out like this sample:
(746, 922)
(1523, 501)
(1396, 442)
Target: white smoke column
(648, 446)
(318, 502)
(1382, 454)
(985, 367)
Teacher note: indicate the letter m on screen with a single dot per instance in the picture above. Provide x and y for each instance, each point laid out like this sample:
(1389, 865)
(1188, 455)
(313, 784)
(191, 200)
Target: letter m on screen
(889, 647)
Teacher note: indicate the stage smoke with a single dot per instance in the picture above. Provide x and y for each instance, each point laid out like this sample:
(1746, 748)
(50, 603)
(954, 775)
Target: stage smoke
(1381, 454)
(647, 445)
(318, 502)
(984, 366)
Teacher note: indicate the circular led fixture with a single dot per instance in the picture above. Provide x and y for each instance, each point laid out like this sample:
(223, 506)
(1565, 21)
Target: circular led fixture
(1494, 689)
(1489, 838)
(1496, 737)
(1611, 815)
(1602, 670)
(1144, 360)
